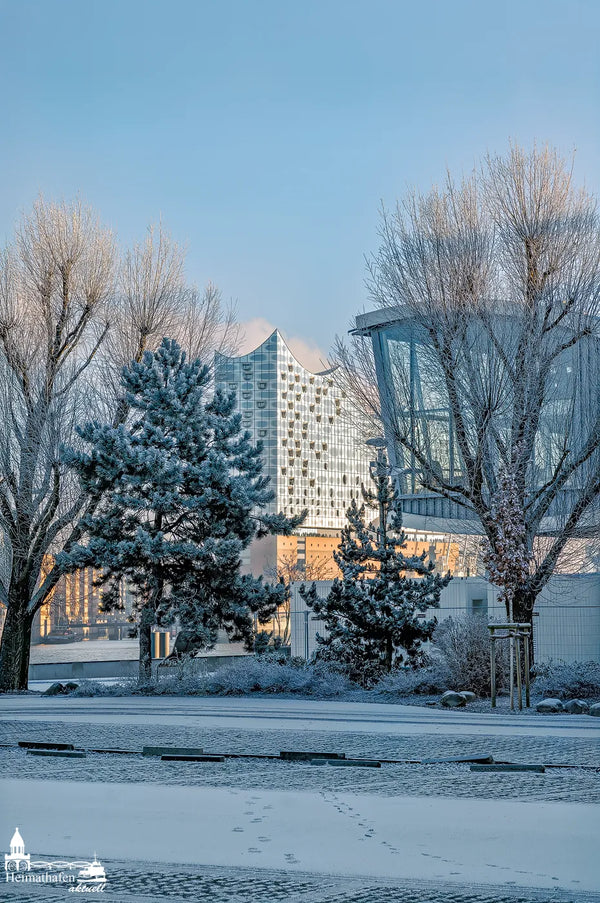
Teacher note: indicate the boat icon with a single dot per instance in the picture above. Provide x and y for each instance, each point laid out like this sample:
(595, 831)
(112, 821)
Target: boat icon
(93, 873)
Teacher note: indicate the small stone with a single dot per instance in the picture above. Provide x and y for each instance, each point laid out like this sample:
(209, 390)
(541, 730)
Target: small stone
(595, 709)
(576, 707)
(55, 689)
(549, 706)
(453, 700)
(468, 695)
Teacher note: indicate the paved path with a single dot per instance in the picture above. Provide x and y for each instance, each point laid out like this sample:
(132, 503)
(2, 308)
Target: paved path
(143, 882)
(281, 714)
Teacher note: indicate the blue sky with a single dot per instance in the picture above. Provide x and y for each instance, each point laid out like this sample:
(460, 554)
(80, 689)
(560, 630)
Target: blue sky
(265, 134)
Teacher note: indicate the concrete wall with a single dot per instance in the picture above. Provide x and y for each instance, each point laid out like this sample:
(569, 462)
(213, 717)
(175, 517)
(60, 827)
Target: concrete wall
(125, 669)
(82, 670)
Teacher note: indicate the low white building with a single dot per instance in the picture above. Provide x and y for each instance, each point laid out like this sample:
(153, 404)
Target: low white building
(566, 619)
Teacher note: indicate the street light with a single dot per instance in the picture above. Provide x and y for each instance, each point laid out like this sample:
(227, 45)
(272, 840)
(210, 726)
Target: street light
(380, 471)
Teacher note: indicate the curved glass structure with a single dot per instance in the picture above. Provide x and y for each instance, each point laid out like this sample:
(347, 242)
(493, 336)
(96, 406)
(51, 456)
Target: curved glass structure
(418, 417)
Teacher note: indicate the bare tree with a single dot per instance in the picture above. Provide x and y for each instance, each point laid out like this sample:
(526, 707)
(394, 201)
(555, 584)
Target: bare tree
(153, 300)
(495, 286)
(353, 370)
(70, 317)
(55, 297)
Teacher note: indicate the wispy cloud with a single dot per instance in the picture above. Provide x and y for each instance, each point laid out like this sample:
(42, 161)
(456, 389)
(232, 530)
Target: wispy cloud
(255, 331)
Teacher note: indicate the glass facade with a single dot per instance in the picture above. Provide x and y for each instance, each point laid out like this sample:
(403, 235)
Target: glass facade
(313, 449)
(415, 405)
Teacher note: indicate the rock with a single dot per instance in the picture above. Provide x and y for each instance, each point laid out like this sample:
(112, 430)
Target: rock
(576, 707)
(453, 700)
(55, 689)
(70, 686)
(468, 695)
(595, 709)
(549, 706)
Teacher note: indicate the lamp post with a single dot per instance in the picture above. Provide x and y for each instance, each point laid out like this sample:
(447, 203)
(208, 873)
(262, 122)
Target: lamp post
(380, 471)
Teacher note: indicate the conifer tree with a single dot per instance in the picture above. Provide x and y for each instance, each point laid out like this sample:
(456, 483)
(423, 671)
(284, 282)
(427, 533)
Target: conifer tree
(183, 495)
(374, 612)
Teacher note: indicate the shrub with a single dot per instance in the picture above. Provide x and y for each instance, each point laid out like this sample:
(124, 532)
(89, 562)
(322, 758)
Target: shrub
(96, 688)
(259, 676)
(568, 680)
(249, 675)
(464, 647)
(426, 681)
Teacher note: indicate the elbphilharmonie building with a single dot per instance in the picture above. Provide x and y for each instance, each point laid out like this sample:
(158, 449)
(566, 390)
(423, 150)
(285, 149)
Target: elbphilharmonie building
(314, 449)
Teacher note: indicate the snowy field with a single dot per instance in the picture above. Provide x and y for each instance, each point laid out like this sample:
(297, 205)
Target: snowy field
(416, 834)
(329, 833)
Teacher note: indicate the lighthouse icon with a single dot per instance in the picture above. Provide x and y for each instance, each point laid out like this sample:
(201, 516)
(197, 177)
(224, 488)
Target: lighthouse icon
(16, 860)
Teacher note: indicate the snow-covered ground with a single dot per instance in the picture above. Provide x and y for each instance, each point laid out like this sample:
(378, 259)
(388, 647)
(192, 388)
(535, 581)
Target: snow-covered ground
(528, 832)
(462, 841)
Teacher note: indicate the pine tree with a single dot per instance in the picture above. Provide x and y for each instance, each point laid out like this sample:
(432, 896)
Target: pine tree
(183, 495)
(373, 614)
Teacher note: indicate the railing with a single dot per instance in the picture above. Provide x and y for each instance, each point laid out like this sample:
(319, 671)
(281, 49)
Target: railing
(560, 632)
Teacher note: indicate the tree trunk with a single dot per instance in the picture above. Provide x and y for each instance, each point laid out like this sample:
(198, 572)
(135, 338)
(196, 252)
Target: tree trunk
(523, 603)
(389, 653)
(15, 644)
(147, 616)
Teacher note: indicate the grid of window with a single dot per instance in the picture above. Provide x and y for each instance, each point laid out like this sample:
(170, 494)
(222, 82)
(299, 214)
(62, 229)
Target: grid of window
(312, 448)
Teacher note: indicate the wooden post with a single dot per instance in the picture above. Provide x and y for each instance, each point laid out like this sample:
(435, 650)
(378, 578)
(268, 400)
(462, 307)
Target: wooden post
(511, 668)
(526, 651)
(493, 666)
(518, 664)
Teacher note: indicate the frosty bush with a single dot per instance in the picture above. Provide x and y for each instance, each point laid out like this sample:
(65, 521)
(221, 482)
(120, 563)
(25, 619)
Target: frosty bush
(426, 681)
(259, 676)
(249, 675)
(96, 688)
(464, 647)
(568, 680)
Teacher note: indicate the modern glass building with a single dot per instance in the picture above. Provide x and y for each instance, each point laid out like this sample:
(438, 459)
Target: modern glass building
(314, 451)
(415, 405)
(413, 399)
